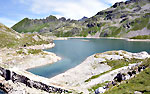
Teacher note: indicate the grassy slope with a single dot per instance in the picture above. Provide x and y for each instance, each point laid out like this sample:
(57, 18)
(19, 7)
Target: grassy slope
(139, 24)
(141, 37)
(24, 26)
(140, 83)
(19, 27)
(115, 64)
(8, 38)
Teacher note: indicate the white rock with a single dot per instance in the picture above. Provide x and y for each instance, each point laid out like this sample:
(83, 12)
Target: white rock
(101, 90)
(141, 55)
(99, 60)
(137, 92)
(114, 57)
(1, 60)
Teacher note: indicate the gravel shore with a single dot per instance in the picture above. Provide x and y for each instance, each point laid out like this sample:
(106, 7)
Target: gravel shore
(75, 78)
(11, 57)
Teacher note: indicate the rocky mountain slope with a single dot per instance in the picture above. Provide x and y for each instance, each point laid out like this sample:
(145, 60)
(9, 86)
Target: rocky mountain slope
(11, 39)
(123, 19)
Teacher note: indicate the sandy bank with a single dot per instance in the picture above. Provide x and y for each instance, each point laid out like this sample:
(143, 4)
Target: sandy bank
(60, 38)
(127, 39)
(43, 46)
(143, 40)
(32, 61)
(25, 60)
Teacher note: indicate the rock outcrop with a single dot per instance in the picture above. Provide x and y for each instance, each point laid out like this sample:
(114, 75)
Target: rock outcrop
(14, 77)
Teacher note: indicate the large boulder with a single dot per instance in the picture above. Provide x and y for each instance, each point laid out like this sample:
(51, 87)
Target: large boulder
(100, 13)
(100, 90)
(63, 19)
(117, 4)
(91, 25)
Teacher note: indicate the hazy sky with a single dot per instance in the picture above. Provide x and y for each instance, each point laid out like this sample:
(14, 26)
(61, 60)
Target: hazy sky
(12, 11)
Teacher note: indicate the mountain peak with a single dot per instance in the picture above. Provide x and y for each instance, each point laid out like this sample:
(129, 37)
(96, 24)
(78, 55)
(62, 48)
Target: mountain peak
(83, 19)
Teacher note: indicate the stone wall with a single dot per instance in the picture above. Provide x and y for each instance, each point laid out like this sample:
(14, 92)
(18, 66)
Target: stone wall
(10, 75)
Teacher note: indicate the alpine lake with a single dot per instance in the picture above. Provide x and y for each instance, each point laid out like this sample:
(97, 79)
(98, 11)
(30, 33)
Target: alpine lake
(75, 50)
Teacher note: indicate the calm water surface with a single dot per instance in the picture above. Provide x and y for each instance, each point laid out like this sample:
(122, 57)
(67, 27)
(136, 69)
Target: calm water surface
(2, 92)
(74, 51)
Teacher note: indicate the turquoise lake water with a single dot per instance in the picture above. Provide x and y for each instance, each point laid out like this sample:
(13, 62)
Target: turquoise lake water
(2, 92)
(74, 51)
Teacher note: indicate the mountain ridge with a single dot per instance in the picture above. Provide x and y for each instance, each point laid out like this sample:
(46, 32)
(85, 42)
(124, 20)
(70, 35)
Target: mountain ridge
(120, 20)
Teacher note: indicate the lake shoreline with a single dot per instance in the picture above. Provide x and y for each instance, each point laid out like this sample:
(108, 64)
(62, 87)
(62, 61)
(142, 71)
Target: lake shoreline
(42, 46)
(51, 45)
(20, 63)
(26, 60)
(127, 39)
(77, 74)
(76, 77)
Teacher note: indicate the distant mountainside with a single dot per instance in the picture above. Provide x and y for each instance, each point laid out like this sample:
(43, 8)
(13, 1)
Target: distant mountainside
(11, 39)
(123, 19)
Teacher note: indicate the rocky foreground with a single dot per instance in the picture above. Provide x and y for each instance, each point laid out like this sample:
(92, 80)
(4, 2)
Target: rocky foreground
(14, 79)
(85, 76)
(96, 69)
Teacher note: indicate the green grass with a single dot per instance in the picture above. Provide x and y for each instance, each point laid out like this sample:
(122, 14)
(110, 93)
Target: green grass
(7, 37)
(21, 52)
(96, 76)
(84, 33)
(93, 30)
(146, 62)
(68, 34)
(141, 37)
(34, 51)
(29, 51)
(34, 28)
(96, 29)
(115, 31)
(7, 40)
(27, 25)
(139, 23)
(59, 34)
(139, 83)
(93, 88)
(64, 34)
(148, 26)
(22, 23)
(115, 64)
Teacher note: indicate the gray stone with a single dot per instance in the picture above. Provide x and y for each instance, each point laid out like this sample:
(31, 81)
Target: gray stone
(137, 92)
